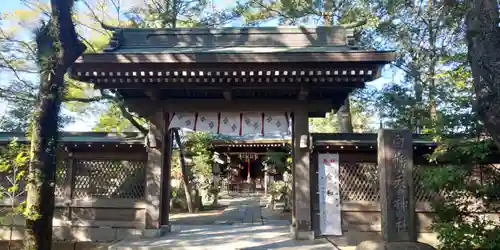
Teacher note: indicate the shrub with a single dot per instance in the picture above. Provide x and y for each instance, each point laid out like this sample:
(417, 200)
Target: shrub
(462, 199)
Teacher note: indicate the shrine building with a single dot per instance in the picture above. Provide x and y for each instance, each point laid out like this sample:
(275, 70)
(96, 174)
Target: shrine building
(231, 81)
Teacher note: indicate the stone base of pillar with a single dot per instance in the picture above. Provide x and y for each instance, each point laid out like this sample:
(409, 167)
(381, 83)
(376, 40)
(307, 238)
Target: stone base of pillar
(381, 245)
(157, 232)
(300, 234)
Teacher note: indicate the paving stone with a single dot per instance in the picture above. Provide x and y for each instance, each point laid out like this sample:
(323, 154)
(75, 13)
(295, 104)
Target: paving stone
(224, 237)
(239, 226)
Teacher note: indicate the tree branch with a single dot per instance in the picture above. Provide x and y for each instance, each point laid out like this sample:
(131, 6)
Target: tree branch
(126, 114)
(6, 37)
(12, 68)
(354, 24)
(71, 46)
(85, 100)
(132, 120)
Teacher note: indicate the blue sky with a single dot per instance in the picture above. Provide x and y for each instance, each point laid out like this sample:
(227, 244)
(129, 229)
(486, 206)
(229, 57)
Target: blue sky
(86, 123)
(10, 5)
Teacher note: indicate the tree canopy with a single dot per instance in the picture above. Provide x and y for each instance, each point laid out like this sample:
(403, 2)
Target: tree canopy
(431, 89)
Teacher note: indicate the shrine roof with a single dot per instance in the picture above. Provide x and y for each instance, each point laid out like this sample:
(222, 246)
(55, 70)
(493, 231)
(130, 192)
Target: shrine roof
(81, 137)
(317, 67)
(230, 50)
(130, 45)
(345, 139)
(248, 39)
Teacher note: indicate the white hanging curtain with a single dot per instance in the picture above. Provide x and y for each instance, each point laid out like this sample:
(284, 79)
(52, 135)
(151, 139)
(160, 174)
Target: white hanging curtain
(208, 122)
(233, 124)
(183, 120)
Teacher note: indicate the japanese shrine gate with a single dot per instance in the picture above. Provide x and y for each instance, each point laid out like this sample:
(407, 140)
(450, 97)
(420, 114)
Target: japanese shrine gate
(160, 73)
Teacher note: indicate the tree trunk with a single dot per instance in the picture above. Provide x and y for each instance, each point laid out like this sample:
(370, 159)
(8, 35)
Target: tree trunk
(57, 48)
(41, 178)
(433, 113)
(344, 117)
(185, 175)
(483, 40)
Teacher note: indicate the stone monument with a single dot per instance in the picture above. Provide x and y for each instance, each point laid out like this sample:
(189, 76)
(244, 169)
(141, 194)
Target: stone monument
(397, 201)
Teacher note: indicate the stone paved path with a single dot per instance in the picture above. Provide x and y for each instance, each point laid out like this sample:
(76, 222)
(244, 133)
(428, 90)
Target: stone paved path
(248, 209)
(224, 237)
(244, 224)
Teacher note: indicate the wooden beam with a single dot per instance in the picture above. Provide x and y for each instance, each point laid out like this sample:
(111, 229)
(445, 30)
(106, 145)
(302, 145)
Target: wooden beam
(303, 93)
(228, 94)
(152, 94)
(381, 57)
(340, 83)
(143, 106)
(152, 71)
(166, 165)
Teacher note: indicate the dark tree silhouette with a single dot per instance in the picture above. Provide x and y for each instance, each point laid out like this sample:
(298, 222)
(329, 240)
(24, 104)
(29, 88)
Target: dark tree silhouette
(58, 47)
(483, 40)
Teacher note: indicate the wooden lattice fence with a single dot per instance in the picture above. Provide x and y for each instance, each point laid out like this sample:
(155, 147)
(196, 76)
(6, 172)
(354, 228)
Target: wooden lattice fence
(99, 178)
(360, 181)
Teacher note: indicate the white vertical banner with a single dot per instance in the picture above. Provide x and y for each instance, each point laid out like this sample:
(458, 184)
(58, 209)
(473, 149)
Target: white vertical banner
(329, 194)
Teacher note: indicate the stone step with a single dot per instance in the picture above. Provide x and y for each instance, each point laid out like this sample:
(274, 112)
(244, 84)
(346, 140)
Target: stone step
(279, 206)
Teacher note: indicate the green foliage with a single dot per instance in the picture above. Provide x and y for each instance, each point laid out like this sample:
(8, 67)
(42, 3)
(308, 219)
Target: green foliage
(112, 120)
(432, 90)
(278, 162)
(328, 124)
(113, 116)
(281, 191)
(17, 116)
(178, 13)
(364, 107)
(462, 151)
(198, 152)
(277, 189)
(299, 12)
(462, 197)
(321, 12)
(198, 147)
(14, 160)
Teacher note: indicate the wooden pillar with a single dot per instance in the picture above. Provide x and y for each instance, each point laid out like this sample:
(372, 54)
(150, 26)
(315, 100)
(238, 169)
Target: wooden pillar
(152, 191)
(70, 179)
(69, 186)
(165, 176)
(157, 193)
(294, 218)
(266, 178)
(301, 176)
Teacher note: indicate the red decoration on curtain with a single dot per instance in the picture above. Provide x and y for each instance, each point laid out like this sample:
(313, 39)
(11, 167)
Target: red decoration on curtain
(262, 124)
(248, 175)
(195, 120)
(218, 123)
(287, 120)
(241, 122)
